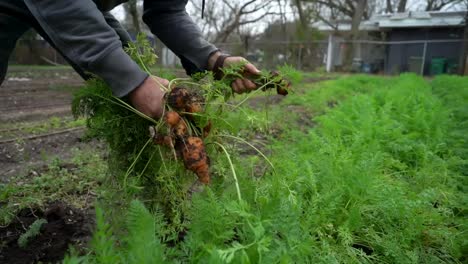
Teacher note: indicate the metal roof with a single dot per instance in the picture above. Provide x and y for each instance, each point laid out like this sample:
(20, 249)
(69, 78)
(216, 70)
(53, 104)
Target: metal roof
(400, 20)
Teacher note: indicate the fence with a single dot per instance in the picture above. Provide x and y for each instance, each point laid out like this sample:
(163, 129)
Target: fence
(303, 55)
(426, 57)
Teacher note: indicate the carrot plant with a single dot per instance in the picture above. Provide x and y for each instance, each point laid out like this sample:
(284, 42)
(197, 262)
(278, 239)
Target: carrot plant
(379, 179)
(148, 156)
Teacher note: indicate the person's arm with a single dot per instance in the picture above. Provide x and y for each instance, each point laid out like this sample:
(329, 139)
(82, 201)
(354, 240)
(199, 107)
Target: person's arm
(81, 32)
(115, 24)
(169, 21)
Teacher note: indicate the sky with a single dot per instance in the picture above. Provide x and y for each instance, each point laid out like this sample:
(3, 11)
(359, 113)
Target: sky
(119, 13)
(260, 26)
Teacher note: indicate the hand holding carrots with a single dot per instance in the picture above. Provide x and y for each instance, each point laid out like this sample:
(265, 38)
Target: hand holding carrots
(252, 78)
(239, 85)
(243, 85)
(148, 98)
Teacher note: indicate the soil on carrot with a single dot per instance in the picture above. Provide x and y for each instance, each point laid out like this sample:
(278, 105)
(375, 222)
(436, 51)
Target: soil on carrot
(65, 227)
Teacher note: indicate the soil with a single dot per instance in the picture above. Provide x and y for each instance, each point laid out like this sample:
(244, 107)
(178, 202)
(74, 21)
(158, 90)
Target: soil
(34, 94)
(259, 102)
(305, 117)
(65, 227)
(29, 95)
(19, 158)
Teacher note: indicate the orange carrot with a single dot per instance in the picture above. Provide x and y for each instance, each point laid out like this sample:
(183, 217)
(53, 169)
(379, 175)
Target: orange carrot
(195, 157)
(194, 107)
(178, 98)
(180, 129)
(172, 118)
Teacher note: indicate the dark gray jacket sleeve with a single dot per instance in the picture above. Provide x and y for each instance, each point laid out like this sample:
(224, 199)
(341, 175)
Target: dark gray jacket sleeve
(81, 32)
(169, 21)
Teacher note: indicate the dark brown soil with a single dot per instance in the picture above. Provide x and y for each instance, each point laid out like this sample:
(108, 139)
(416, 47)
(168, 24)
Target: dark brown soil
(65, 227)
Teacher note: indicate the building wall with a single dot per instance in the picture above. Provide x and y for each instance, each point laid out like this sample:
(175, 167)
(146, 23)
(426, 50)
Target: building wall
(399, 55)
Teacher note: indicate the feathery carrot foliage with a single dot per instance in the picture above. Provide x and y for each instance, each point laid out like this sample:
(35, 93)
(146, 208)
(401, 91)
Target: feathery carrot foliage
(379, 178)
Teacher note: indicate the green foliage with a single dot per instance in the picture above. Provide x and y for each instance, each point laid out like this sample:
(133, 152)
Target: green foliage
(33, 230)
(56, 182)
(375, 181)
(141, 168)
(142, 244)
(138, 167)
(380, 178)
(372, 183)
(291, 74)
(142, 52)
(143, 239)
(103, 242)
(39, 127)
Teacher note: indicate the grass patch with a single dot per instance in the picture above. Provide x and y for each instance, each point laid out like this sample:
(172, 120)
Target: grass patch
(76, 182)
(40, 127)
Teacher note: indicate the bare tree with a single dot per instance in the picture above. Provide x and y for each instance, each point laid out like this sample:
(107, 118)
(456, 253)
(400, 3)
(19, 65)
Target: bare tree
(245, 13)
(226, 17)
(131, 12)
(331, 12)
(354, 51)
(436, 5)
(400, 6)
(300, 11)
(389, 8)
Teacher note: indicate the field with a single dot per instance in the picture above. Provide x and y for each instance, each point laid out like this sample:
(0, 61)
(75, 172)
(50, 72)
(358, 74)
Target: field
(357, 169)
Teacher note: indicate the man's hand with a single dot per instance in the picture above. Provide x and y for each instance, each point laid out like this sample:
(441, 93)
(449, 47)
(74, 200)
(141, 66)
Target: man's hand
(148, 98)
(239, 85)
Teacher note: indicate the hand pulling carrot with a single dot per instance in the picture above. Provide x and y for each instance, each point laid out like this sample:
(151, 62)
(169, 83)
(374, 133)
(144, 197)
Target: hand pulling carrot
(280, 84)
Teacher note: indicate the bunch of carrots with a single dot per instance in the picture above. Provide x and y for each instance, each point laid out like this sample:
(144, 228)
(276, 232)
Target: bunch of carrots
(191, 108)
(183, 134)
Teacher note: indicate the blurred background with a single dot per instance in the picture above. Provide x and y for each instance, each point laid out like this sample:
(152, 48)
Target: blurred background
(372, 36)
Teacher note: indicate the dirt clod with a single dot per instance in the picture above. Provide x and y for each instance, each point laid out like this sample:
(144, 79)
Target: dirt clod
(65, 227)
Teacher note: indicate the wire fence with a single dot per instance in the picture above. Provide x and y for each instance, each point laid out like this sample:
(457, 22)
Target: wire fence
(428, 57)
(424, 57)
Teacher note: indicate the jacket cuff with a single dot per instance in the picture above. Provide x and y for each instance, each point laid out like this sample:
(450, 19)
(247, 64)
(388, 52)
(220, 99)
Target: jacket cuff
(201, 59)
(119, 71)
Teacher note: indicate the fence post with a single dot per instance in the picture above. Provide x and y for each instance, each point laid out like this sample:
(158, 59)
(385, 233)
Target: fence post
(330, 53)
(423, 58)
(299, 57)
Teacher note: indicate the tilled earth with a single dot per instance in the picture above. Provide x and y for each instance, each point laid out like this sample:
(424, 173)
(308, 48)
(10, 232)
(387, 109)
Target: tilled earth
(29, 96)
(35, 95)
(65, 226)
(32, 95)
